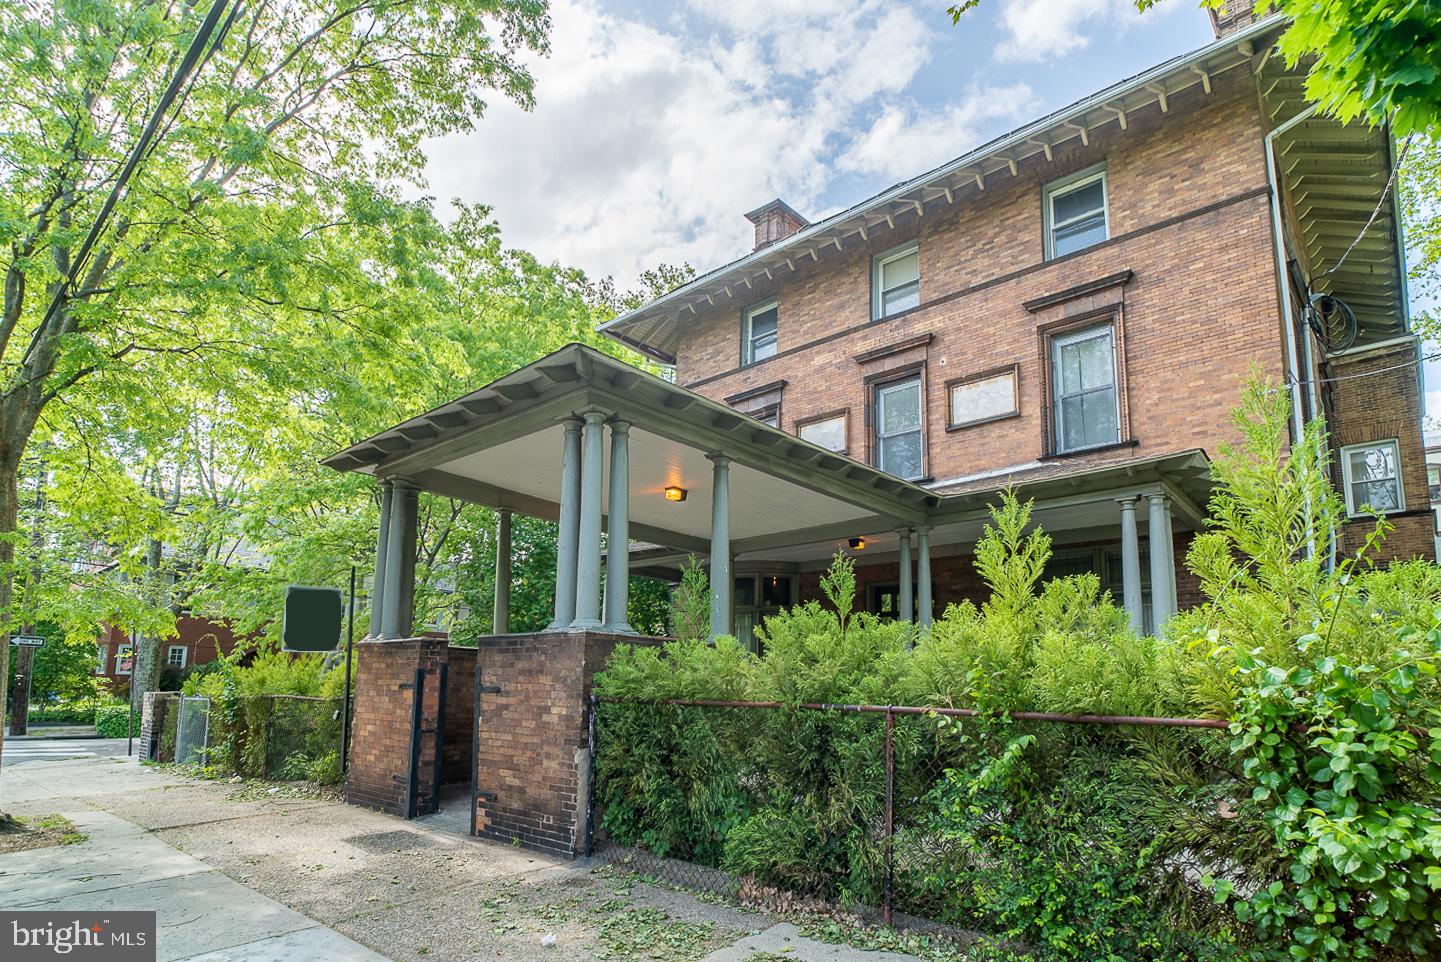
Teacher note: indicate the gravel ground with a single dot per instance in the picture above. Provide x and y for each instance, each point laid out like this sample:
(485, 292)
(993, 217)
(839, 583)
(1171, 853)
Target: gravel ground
(411, 893)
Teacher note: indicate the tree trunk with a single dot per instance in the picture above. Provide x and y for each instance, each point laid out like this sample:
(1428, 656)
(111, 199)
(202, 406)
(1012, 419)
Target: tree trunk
(9, 494)
(144, 673)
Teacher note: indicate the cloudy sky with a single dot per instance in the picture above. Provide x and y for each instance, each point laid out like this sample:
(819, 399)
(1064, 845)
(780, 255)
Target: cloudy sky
(658, 125)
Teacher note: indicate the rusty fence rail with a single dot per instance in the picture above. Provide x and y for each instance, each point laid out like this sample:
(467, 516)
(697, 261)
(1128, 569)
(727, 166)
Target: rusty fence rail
(890, 714)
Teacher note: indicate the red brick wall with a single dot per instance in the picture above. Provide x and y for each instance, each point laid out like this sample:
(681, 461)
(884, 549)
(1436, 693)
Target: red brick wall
(1200, 310)
(204, 641)
(533, 736)
(380, 741)
(459, 724)
(1374, 397)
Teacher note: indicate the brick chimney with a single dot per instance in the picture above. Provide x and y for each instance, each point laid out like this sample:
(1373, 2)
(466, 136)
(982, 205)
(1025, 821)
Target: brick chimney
(775, 222)
(1237, 15)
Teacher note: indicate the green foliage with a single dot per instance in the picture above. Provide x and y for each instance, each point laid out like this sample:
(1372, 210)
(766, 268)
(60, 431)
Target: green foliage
(1317, 821)
(112, 721)
(690, 603)
(1346, 760)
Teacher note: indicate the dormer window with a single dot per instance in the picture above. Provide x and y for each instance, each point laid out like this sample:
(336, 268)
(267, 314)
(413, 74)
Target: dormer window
(758, 332)
(1075, 211)
(896, 280)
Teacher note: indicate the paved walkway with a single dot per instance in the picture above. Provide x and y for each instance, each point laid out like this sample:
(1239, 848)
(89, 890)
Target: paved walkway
(239, 873)
(201, 914)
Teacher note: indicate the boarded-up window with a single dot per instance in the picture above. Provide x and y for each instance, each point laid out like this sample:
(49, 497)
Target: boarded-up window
(984, 398)
(828, 432)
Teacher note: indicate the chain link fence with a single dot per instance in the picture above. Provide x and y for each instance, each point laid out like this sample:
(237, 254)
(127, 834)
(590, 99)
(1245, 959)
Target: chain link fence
(286, 737)
(974, 822)
(192, 729)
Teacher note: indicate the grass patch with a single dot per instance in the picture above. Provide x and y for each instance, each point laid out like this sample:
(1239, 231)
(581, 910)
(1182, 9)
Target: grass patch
(25, 833)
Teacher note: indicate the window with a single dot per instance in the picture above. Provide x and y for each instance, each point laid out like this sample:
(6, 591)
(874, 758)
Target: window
(1373, 478)
(1083, 381)
(1075, 213)
(830, 432)
(898, 429)
(1433, 481)
(758, 332)
(175, 656)
(756, 598)
(983, 397)
(104, 656)
(770, 415)
(896, 281)
(124, 659)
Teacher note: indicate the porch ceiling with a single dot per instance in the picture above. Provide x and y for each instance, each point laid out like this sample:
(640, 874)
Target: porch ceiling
(501, 446)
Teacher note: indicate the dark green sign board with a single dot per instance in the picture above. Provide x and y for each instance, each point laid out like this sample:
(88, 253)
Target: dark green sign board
(313, 618)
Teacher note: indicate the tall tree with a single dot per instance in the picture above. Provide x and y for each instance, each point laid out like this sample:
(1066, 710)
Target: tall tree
(249, 229)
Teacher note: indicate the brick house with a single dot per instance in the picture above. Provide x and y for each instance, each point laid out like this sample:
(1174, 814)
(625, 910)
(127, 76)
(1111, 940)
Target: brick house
(196, 641)
(1069, 311)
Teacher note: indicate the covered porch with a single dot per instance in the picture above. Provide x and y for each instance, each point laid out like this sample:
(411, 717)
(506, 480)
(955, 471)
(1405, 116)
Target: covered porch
(641, 475)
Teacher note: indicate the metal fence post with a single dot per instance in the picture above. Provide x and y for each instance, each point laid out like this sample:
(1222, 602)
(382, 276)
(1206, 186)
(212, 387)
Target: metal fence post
(890, 808)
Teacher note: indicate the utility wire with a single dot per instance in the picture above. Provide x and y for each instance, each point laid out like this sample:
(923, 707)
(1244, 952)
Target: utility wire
(1360, 374)
(1380, 203)
(142, 148)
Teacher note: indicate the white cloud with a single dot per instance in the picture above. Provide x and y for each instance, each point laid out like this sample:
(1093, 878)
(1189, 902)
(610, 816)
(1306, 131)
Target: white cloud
(1044, 29)
(647, 146)
(908, 139)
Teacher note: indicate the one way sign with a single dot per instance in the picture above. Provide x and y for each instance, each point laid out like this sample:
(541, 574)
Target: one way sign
(28, 641)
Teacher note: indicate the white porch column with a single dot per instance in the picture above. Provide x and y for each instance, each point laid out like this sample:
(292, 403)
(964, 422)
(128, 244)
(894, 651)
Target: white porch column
(721, 583)
(382, 544)
(923, 574)
(500, 622)
(399, 597)
(592, 486)
(617, 552)
(567, 541)
(908, 601)
(1131, 565)
(1163, 562)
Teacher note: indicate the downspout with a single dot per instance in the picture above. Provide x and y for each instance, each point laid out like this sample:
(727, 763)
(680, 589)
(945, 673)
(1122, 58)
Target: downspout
(1288, 321)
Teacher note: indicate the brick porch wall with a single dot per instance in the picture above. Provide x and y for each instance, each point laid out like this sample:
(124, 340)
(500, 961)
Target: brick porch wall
(533, 736)
(380, 748)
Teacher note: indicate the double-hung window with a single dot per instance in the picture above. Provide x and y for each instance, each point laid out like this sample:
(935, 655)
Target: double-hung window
(1373, 477)
(899, 444)
(1083, 382)
(896, 281)
(1075, 212)
(758, 332)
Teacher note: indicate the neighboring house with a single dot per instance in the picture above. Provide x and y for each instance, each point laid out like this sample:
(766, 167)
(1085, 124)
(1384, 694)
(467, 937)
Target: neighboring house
(1070, 310)
(196, 641)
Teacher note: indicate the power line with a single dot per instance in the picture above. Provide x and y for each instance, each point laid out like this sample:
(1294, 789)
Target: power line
(1360, 374)
(142, 148)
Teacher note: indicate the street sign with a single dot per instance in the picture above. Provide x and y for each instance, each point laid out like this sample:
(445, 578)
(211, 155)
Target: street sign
(312, 619)
(28, 641)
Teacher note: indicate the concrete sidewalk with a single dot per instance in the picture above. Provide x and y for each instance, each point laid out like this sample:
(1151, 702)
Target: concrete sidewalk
(254, 873)
(201, 914)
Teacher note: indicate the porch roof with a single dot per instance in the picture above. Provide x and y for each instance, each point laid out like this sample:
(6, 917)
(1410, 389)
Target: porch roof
(501, 446)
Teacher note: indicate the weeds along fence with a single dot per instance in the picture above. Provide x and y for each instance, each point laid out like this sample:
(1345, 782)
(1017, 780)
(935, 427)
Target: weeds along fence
(1087, 831)
(288, 737)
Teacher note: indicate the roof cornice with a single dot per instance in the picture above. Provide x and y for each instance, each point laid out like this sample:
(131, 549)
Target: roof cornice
(1152, 86)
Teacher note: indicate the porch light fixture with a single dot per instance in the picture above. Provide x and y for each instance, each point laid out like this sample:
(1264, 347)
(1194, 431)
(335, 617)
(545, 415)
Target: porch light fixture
(858, 543)
(675, 493)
